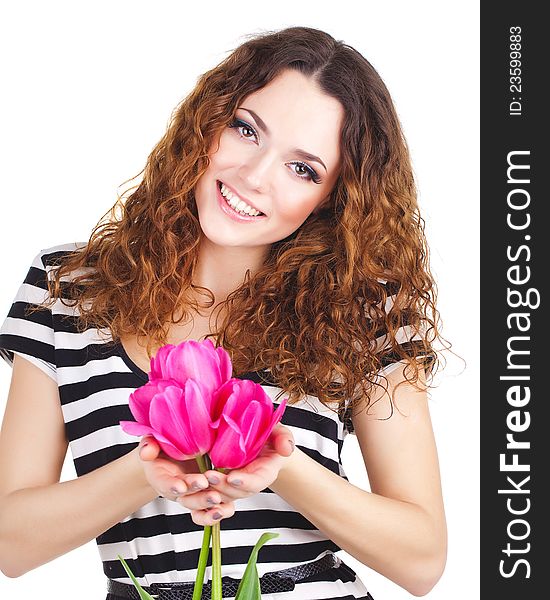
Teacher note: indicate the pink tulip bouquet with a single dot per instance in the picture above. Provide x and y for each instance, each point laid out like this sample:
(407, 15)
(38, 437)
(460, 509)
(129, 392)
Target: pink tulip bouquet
(194, 409)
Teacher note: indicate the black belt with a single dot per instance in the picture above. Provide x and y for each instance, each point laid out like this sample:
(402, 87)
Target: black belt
(276, 581)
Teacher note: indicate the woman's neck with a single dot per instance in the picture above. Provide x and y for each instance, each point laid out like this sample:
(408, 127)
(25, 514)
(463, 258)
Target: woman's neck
(222, 269)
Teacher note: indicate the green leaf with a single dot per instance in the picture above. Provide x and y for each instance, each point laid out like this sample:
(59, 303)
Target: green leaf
(249, 586)
(142, 593)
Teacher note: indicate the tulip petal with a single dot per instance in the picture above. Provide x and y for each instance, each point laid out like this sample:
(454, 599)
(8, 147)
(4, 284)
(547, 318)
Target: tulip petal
(220, 399)
(251, 422)
(171, 450)
(169, 417)
(242, 393)
(228, 451)
(140, 399)
(197, 401)
(226, 368)
(133, 428)
(158, 361)
(256, 448)
(208, 344)
(278, 414)
(139, 402)
(193, 360)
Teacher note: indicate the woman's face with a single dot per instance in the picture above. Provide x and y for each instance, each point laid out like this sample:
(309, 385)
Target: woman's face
(280, 156)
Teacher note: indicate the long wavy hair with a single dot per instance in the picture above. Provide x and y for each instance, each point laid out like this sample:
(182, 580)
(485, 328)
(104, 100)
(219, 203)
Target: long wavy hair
(313, 311)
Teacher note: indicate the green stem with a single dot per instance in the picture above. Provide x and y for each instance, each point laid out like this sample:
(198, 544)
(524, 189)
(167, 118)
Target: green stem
(216, 554)
(203, 557)
(203, 460)
(216, 563)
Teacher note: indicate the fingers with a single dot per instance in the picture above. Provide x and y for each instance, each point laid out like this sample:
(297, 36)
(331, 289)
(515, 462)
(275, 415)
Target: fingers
(203, 500)
(213, 515)
(148, 448)
(209, 506)
(170, 487)
(282, 440)
(210, 495)
(236, 484)
(258, 474)
(184, 487)
(169, 477)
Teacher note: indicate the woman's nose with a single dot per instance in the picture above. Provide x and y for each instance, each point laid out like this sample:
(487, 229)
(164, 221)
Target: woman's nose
(257, 171)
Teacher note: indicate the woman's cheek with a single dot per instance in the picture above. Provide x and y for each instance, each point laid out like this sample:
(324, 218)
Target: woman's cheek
(298, 211)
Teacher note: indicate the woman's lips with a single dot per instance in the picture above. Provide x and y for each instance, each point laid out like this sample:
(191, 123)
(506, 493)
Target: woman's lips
(233, 214)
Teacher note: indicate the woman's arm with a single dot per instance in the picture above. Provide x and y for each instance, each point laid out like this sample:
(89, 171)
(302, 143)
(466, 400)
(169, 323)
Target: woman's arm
(397, 529)
(40, 518)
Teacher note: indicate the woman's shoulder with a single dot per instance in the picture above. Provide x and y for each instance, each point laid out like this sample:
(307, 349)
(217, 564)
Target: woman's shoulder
(44, 273)
(50, 256)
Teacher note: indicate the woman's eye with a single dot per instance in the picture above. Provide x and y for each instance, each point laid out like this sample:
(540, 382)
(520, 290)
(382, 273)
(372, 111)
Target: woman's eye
(238, 124)
(307, 172)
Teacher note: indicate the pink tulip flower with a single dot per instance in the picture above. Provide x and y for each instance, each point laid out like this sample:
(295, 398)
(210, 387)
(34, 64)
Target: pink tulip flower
(246, 419)
(178, 417)
(200, 361)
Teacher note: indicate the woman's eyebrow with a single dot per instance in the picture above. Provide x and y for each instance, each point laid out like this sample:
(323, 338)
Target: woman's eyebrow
(301, 153)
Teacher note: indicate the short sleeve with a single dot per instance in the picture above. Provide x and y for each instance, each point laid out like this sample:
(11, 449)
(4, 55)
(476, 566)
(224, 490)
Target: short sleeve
(31, 335)
(347, 413)
(413, 340)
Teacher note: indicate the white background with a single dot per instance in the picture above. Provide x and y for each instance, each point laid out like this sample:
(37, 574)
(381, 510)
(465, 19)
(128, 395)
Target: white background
(88, 89)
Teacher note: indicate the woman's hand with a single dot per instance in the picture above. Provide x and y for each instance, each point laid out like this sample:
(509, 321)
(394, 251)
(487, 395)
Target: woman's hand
(209, 502)
(255, 476)
(169, 477)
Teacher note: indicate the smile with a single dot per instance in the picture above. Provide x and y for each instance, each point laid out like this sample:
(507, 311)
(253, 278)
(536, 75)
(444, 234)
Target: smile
(235, 207)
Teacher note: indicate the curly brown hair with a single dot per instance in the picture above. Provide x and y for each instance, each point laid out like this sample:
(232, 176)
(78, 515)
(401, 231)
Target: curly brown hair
(313, 311)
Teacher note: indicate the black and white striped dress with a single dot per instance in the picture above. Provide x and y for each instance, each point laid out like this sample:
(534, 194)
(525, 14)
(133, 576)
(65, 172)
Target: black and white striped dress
(159, 541)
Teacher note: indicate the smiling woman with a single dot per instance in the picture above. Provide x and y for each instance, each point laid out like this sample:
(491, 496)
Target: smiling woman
(282, 191)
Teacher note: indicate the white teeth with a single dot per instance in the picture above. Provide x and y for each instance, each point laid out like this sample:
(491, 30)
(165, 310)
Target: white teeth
(238, 204)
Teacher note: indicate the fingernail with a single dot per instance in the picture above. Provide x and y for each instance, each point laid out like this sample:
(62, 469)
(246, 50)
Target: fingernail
(235, 482)
(211, 501)
(216, 516)
(213, 479)
(177, 491)
(291, 445)
(196, 486)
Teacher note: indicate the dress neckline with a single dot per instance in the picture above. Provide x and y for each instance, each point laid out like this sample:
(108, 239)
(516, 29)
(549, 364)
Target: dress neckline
(130, 363)
(263, 376)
